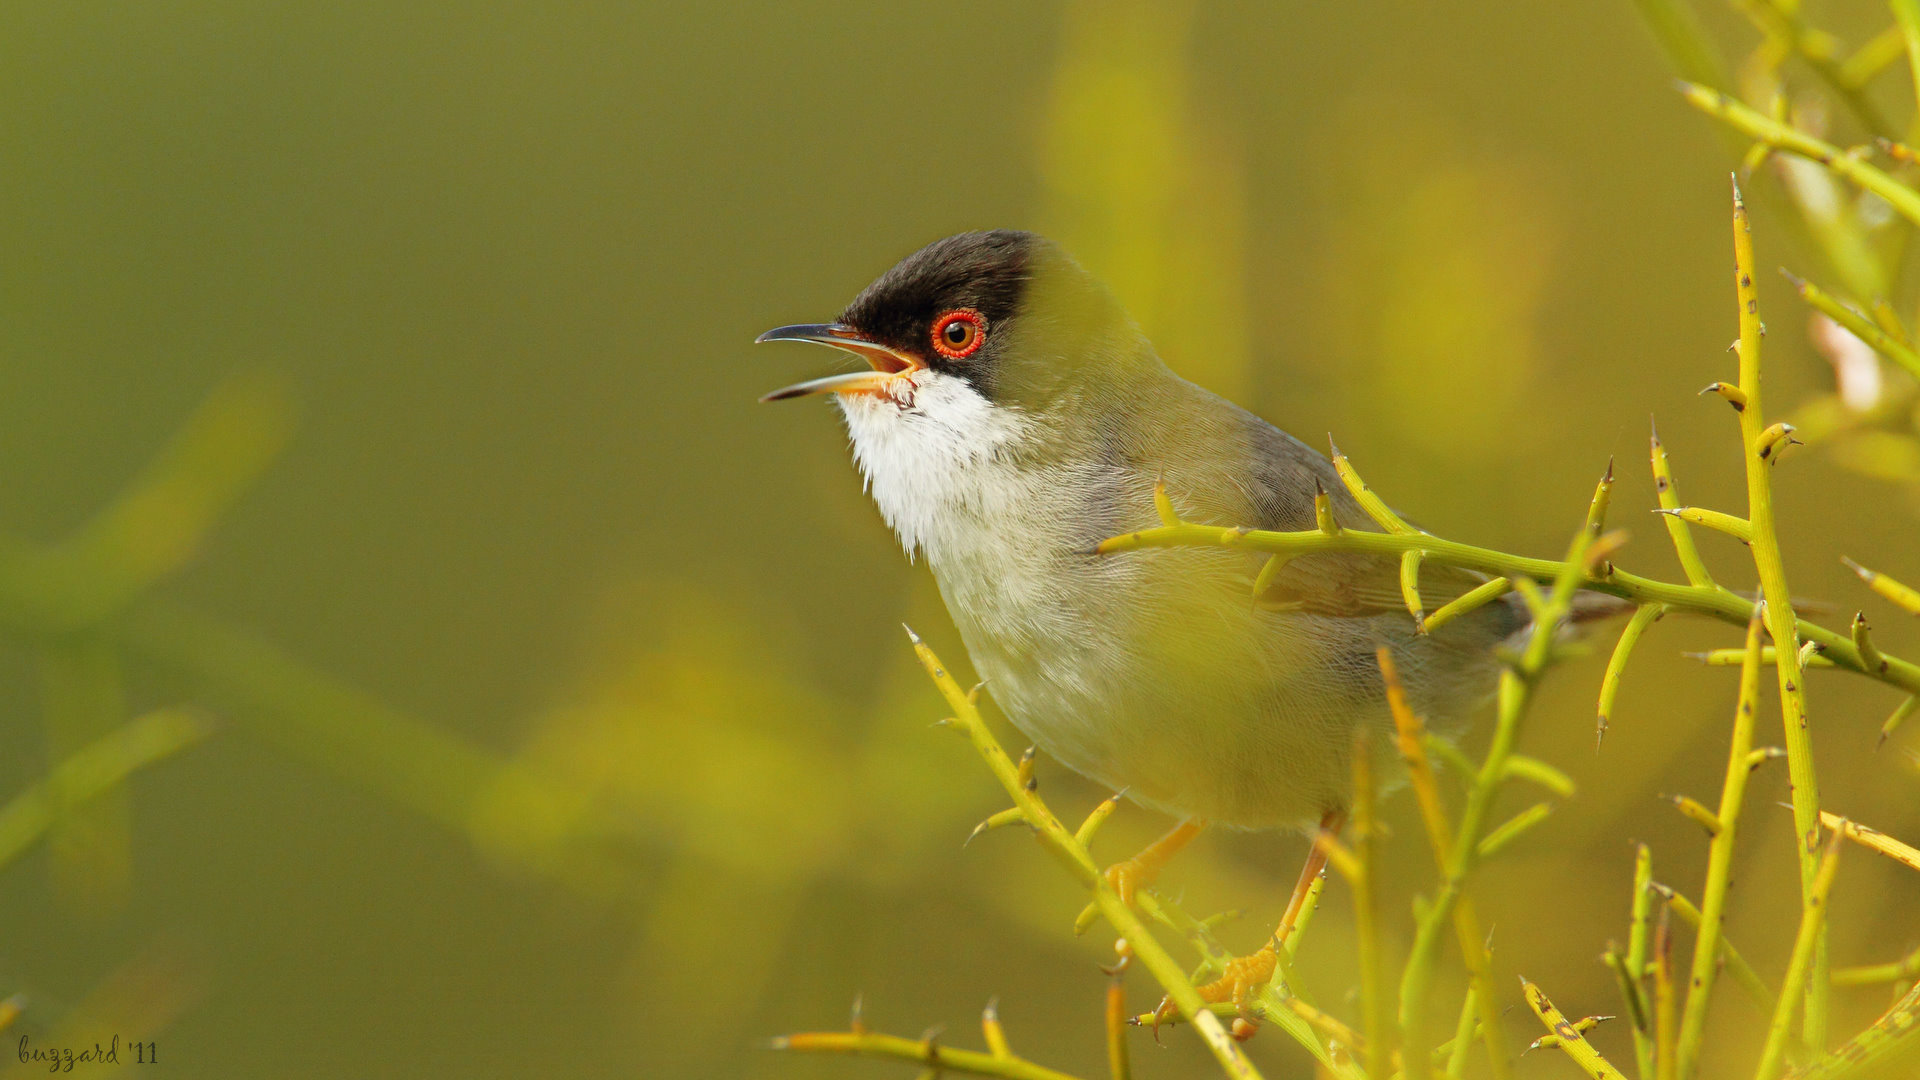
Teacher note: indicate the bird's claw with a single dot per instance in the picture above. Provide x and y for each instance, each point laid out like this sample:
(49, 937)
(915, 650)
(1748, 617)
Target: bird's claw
(1126, 878)
(1129, 876)
(1243, 976)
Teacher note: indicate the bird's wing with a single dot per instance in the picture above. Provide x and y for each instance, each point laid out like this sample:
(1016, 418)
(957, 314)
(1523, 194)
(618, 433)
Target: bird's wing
(1279, 493)
(1343, 585)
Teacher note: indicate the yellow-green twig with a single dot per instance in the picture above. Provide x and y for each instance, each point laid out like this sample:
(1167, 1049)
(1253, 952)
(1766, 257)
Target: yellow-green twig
(1571, 1040)
(1874, 56)
(1737, 527)
(1513, 828)
(1857, 324)
(1873, 840)
(1412, 741)
(1477, 597)
(1900, 713)
(1905, 596)
(1462, 1041)
(1737, 966)
(1713, 895)
(924, 1051)
(1780, 619)
(1666, 1058)
(1463, 850)
(1074, 856)
(1708, 600)
(1905, 968)
(1816, 49)
(1366, 912)
(1891, 1038)
(1735, 657)
(1846, 164)
(1376, 508)
(98, 767)
(1669, 498)
(1410, 588)
(1643, 616)
(1632, 967)
(1800, 967)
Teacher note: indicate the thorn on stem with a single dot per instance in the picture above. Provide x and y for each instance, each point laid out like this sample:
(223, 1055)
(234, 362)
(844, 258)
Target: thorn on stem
(1734, 396)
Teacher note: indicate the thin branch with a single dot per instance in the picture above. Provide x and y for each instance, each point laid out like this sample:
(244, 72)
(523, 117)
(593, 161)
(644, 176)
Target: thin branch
(1571, 1040)
(1779, 606)
(99, 767)
(1873, 839)
(1074, 856)
(1709, 600)
(1515, 690)
(1813, 918)
(1849, 165)
(1713, 895)
(923, 1051)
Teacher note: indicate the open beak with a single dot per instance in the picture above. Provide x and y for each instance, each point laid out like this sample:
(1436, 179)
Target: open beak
(887, 364)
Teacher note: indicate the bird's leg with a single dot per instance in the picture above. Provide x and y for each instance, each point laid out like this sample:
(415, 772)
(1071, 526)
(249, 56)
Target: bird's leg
(1330, 824)
(1131, 875)
(1246, 974)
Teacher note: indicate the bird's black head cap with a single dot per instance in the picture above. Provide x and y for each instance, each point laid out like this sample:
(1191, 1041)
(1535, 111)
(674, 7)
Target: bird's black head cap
(985, 272)
(1039, 312)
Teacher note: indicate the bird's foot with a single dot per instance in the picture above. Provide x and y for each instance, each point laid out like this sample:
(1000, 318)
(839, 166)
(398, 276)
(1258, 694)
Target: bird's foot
(1128, 876)
(1243, 977)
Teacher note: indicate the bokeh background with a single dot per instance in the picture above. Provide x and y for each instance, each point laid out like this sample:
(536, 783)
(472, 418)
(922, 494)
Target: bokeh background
(382, 374)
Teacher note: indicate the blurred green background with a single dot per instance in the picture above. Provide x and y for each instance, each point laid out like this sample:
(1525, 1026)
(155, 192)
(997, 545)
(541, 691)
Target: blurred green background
(563, 725)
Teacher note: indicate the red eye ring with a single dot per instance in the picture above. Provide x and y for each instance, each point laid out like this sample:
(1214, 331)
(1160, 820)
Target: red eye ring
(959, 334)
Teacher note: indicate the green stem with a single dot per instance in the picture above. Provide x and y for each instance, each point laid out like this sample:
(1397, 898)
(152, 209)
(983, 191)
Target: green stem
(1643, 616)
(1781, 624)
(925, 1052)
(1571, 1041)
(1781, 22)
(1710, 600)
(1857, 324)
(1812, 922)
(1891, 1036)
(1781, 137)
(1713, 896)
(1516, 688)
(1669, 498)
(1060, 842)
(1633, 967)
(90, 847)
(1366, 912)
(95, 769)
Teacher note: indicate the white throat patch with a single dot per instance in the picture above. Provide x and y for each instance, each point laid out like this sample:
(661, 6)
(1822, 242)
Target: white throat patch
(934, 457)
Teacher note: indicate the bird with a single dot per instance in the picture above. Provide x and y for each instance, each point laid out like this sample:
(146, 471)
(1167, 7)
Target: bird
(1010, 417)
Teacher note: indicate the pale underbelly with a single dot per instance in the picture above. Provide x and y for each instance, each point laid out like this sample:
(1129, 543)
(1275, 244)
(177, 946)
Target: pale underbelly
(1214, 715)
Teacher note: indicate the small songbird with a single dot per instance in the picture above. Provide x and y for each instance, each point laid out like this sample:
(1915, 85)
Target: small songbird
(1012, 417)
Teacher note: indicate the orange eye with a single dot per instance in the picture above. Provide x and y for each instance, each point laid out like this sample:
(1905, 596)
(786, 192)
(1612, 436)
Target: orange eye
(958, 333)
